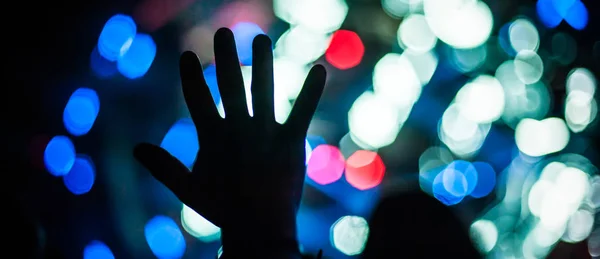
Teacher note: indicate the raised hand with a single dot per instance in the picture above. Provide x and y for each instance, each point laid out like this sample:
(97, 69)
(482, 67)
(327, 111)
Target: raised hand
(249, 171)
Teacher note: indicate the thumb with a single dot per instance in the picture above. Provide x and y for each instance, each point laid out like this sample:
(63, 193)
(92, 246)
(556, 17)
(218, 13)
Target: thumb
(164, 167)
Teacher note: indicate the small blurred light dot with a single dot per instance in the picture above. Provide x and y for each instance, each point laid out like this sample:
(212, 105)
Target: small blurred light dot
(326, 164)
(164, 238)
(346, 50)
(116, 37)
(182, 141)
(81, 111)
(59, 155)
(97, 250)
(80, 179)
(138, 59)
(244, 33)
(364, 169)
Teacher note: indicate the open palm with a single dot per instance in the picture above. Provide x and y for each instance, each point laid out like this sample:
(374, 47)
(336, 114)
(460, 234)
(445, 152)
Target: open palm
(247, 166)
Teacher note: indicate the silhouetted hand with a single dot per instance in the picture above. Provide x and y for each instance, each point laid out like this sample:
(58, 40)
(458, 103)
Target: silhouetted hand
(249, 172)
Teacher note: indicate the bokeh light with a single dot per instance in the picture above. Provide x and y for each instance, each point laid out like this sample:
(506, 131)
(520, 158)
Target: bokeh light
(364, 169)
(81, 111)
(349, 234)
(116, 37)
(244, 33)
(326, 164)
(164, 237)
(182, 141)
(138, 58)
(59, 155)
(81, 177)
(97, 250)
(345, 50)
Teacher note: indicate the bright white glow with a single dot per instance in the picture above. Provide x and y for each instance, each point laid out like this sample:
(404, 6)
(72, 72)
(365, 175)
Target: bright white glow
(281, 104)
(301, 45)
(198, 226)
(529, 67)
(580, 110)
(459, 23)
(523, 35)
(374, 122)
(581, 79)
(349, 234)
(538, 191)
(579, 227)
(484, 234)
(322, 16)
(289, 77)
(395, 78)
(481, 100)
(414, 34)
(538, 138)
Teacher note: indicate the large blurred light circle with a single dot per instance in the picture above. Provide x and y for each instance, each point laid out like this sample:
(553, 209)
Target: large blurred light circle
(415, 35)
(82, 176)
(164, 238)
(59, 155)
(326, 164)
(116, 37)
(581, 79)
(396, 79)
(364, 169)
(349, 234)
(523, 35)
(374, 122)
(459, 23)
(442, 194)
(484, 234)
(138, 59)
(481, 100)
(346, 50)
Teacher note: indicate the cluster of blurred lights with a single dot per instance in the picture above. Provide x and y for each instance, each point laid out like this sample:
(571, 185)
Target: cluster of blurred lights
(121, 48)
(553, 12)
(60, 158)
